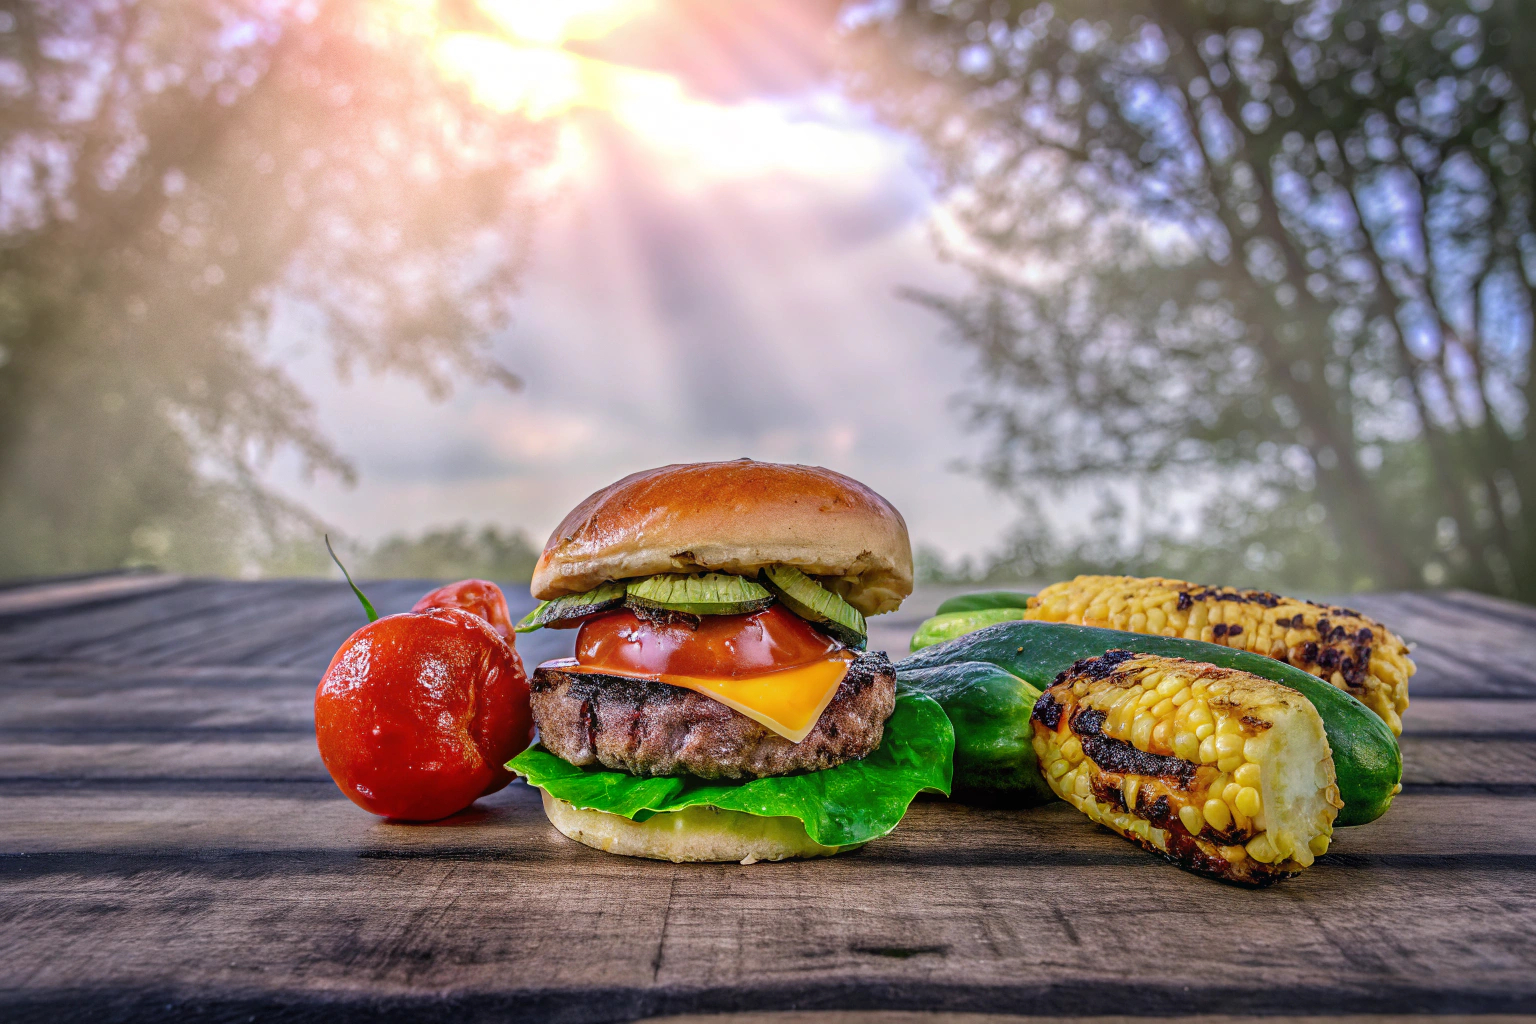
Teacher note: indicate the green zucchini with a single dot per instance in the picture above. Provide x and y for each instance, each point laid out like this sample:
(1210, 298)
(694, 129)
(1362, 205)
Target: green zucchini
(1366, 758)
(942, 628)
(995, 763)
(983, 600)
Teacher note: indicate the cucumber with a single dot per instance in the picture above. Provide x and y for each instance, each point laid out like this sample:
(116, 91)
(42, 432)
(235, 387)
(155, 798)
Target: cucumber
(815, 603)
(1366, 758)
(995, 762)
(713, 593)
(983, 600)
(572, 607)
(942, 628)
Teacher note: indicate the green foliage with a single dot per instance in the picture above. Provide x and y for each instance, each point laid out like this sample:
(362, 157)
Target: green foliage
(179, 179)
(851, 803)
(452, 553)
(1254, 279)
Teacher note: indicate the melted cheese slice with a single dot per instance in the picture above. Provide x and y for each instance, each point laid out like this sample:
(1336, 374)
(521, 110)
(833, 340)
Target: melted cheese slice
(789, 701)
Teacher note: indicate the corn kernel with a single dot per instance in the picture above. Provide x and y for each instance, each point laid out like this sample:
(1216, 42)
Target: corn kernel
(1253, 748)
(1082, 786)
(1059, 768)
(1228, 744)
(1141, 732)
(1191, 818)
(1229, 764)
(1231, 727)
(1319, 845)
(1229, 793)
(1163, 708)
(1233, 853)
(1186, 745)
(1128, 789)
(1248, 774)
(1261, 850)
(1218, 814)
(1207, 749)
(1248, 800)
(1204, 731)
(1072, 749)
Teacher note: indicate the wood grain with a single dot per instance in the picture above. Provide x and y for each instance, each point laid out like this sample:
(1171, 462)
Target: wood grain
(170, 846)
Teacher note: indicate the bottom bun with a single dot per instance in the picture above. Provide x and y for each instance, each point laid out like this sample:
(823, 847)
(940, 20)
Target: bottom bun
(692, 834)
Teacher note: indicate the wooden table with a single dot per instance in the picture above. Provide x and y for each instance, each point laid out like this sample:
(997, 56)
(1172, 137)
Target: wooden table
(172, 848)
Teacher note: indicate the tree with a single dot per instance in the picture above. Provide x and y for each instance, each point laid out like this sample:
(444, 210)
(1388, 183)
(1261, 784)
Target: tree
(1255, 278)
(453, 553)
(179, 181)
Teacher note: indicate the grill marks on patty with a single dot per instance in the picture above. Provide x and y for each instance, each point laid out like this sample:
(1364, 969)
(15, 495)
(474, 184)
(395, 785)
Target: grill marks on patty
(651, 728)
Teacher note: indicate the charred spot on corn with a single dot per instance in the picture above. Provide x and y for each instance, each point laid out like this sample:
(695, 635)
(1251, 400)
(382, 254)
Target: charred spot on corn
(1047, 709)
(1220, 771)
(1113, 755)
(1334, 643)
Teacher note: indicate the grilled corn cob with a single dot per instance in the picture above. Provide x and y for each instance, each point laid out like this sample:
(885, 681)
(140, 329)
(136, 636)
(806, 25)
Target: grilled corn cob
(1222, 772)
(1354, 653)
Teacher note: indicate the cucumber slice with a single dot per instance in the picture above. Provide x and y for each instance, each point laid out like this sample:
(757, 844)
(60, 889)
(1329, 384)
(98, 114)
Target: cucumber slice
(815, 603)
(713, 593)
(571, 607)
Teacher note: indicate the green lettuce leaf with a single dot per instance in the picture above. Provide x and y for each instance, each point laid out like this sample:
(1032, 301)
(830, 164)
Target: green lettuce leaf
(852, 803)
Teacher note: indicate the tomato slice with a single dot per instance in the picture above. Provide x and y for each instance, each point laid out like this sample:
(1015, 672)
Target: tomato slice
(722, 646)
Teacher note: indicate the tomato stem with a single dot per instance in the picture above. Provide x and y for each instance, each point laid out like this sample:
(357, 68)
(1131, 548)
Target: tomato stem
(373, 616)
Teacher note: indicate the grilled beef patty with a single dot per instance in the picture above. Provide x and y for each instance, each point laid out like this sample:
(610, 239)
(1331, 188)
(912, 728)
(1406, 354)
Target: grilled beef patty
(651, 728)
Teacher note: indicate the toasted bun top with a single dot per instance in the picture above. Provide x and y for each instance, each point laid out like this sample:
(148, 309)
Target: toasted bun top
(734, 517)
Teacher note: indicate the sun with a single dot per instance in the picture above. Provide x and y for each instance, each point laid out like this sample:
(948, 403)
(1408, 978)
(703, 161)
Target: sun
(546, 23)
(520, 64)
(525, 67)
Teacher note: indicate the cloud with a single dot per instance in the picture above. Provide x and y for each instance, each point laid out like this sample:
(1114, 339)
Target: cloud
(683, 309)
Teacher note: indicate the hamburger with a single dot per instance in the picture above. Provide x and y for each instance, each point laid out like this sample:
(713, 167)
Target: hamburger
(722, 704)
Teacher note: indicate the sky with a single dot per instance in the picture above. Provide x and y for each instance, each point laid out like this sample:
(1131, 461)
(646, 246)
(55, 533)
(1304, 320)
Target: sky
(714, 276)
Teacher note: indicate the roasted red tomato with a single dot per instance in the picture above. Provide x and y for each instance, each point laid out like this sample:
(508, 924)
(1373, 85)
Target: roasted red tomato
(482, 597)
(418, 713)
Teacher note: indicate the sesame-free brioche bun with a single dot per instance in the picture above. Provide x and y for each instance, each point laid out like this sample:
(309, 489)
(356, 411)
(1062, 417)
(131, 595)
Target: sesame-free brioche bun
(734, 517)
(692, 834)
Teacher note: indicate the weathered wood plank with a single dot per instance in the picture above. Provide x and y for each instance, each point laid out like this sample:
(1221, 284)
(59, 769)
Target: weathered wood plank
(920, 920)
(56, 818)
(297, 624)
(915, 1017)
(1465, 644)
(290, 755)
(1440, 716)
(168, 836)
(30, 599)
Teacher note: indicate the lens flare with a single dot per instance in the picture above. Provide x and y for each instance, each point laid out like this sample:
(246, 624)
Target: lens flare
(547, 23)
